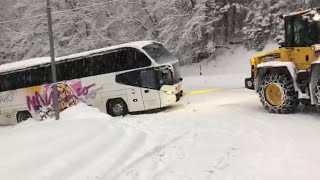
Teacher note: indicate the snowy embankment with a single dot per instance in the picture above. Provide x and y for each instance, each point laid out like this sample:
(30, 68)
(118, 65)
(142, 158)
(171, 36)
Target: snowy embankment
(228, 70)
(224, 135)
(77, 145)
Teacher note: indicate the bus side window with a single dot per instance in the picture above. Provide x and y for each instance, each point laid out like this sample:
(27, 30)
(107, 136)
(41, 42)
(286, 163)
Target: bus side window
(28, 78)
(165, 77)
(98, 64)
(20, 82)
(138, 59)
(2, 81)
(6, 83)
(120, 60)
(36, 77)
(130, 58)
(101, 64)
(14, 81)
(60, 72)
(86, 67)
(148, 79)
(109, 63)
(46, 75)
(129, 78)
(39, 76)
(70, 70)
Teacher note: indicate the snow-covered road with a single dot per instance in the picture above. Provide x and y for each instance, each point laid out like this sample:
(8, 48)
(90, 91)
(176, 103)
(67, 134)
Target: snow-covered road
(229, 136)
(223, 135)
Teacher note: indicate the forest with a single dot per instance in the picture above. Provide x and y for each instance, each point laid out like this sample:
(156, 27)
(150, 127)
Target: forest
(193, 30)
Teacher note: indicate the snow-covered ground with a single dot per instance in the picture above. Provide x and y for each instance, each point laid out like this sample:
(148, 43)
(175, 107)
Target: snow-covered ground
(223, 135)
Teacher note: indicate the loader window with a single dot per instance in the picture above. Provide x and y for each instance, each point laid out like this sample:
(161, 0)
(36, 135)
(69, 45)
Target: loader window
(289, 33)
(318, 32)
(301, 37)
(297, 32)
(315, 32)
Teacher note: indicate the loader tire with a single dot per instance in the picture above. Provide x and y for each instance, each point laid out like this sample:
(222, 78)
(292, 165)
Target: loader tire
(277, 94)
(317, 91)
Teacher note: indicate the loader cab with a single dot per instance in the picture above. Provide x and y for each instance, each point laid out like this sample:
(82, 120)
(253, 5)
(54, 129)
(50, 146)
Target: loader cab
(301, 31)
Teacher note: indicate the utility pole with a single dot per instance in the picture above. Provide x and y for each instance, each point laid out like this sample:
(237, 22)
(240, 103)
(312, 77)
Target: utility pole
(53, 64)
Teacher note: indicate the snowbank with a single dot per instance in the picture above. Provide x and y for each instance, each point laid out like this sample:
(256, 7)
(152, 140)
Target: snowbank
(83, 139)
(227, 71)
(83, 144)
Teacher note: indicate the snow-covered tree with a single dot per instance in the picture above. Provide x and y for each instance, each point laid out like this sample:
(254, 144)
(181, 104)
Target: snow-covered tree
(314, 3)
(191, 29)
(263, 23)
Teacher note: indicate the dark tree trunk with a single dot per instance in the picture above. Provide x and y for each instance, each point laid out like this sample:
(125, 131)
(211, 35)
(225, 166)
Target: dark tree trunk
(234, 17)
(226, 23)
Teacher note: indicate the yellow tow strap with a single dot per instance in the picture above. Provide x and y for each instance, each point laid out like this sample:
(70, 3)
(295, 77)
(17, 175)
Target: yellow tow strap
(203, 91)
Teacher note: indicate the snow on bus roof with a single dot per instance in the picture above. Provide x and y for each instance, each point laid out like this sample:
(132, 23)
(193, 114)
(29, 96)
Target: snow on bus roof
(23, 64)
(45, 60)
(137, 44)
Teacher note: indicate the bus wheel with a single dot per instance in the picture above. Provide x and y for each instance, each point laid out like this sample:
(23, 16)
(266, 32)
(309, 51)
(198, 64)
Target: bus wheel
(23, 116)
(277, 94)
(117, 107)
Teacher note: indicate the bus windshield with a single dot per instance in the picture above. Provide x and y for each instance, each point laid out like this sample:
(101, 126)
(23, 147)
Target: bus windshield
(159, 53)
(165, 77)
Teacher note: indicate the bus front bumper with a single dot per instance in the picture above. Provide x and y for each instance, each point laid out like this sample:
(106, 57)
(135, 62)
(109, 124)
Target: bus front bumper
(169, 99)
(179, 95)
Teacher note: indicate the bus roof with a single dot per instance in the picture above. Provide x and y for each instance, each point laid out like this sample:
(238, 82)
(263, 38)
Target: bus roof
(29, 63)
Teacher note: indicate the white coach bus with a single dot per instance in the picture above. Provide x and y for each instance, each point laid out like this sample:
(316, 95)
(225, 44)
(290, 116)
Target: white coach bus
(131, 77)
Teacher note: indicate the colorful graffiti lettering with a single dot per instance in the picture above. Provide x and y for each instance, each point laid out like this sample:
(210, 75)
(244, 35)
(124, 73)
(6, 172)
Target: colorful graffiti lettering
(69, 93)
(67, 98)
(37, 101)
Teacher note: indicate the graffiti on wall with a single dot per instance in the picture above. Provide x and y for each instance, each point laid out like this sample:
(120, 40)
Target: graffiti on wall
(69, 93)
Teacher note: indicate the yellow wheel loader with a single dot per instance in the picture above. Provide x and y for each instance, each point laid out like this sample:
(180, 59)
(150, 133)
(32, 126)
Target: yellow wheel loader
(290, 75)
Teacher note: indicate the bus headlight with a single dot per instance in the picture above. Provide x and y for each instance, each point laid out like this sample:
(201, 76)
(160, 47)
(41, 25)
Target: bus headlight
(169, 92)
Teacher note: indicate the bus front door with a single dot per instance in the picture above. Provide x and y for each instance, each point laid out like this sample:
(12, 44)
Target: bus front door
(151, 98)
(150, 94)
(135, 100)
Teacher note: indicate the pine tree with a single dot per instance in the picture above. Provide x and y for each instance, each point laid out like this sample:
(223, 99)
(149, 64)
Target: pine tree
(263, 21)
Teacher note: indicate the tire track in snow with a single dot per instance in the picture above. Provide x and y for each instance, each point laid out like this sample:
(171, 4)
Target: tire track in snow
(114, 158)
(222, 162)
(145, 156)
(78, 158)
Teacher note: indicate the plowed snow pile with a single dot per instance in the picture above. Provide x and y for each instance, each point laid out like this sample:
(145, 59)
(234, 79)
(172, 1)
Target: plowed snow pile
(83, 143)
